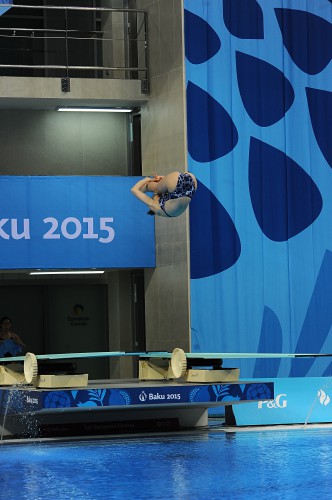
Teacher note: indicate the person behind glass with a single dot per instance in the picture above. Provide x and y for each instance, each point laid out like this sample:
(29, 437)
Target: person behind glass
(172, 193)
(7, 334)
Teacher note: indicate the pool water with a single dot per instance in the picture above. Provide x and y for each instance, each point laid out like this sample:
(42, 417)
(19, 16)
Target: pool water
(283, 464)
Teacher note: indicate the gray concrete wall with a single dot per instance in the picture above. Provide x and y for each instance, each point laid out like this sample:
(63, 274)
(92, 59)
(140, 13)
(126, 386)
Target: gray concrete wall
(41, 140)
(46, 93)
(164, 150)
(120, 321)
(46, 142)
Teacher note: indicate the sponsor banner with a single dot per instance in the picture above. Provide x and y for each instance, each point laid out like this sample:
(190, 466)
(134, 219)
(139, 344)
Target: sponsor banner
(13, 402)
(76, 222)
(22, 401)
(296, 401)
(209, 394)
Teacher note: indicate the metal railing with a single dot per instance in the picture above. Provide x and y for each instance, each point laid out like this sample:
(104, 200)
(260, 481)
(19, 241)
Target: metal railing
(71, 42)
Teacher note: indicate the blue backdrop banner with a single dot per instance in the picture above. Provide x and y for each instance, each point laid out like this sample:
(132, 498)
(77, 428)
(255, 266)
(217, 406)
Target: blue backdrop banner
(259, 108)
(4, 6)
(73, 222)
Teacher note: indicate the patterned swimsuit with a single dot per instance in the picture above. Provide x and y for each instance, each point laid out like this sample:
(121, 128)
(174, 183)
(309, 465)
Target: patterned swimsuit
(184, 187)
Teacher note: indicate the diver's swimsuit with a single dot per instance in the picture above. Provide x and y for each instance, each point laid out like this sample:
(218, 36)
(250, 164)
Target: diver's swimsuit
(185, 187)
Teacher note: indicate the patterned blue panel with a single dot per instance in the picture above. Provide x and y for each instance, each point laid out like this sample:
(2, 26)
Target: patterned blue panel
(202, 42)
(307, 38)
(167, 394)
(320, 105)
(15, 401)
(4, 9)
(275, 184)
(328, 371)
(215, 235)
(318, 320)
(240, 392)
(270, 341)
(211, 131)
(264, 108)
(284, 198)
(244, 18)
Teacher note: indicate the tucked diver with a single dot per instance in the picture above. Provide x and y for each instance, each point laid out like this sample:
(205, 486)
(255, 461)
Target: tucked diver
(172, 193)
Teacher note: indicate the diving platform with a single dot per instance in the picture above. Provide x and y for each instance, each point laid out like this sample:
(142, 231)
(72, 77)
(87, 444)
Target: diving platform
(41, 396)
(118, 407)
(174, 392)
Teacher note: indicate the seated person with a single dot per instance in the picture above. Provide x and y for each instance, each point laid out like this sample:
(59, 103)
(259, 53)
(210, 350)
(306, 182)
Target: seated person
(10, 342)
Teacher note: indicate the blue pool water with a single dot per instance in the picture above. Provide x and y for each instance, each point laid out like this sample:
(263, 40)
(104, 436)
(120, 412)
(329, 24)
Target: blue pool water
(283, 464)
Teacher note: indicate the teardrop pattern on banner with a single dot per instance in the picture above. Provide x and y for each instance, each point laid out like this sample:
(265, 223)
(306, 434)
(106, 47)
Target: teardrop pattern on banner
(214, 242)
(268, 107)
(211, 131)
(201, 41)
(270, 341)
(318, 320)
(302, 33)
(244, 18)
(320, 109)
(284, 198)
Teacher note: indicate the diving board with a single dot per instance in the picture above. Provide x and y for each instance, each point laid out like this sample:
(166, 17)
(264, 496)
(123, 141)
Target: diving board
(155, 404)
(77, 355)
(155, 365)
(167, 354)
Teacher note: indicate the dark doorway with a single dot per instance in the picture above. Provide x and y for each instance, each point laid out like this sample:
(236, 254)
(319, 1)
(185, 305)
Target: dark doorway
(136, 145)
(139, 310)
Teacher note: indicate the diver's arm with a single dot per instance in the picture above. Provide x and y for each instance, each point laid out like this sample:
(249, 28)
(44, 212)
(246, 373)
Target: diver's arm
(139, 189)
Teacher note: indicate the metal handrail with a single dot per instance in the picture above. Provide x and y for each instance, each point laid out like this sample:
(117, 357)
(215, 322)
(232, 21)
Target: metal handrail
(67, 35)
(52, 30)
(59, 66)
(69, 7)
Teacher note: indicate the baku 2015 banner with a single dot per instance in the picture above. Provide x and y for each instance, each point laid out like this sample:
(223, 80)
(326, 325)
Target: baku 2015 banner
(73, 222)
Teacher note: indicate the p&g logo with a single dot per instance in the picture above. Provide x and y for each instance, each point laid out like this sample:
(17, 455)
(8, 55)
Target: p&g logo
(279, 402)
